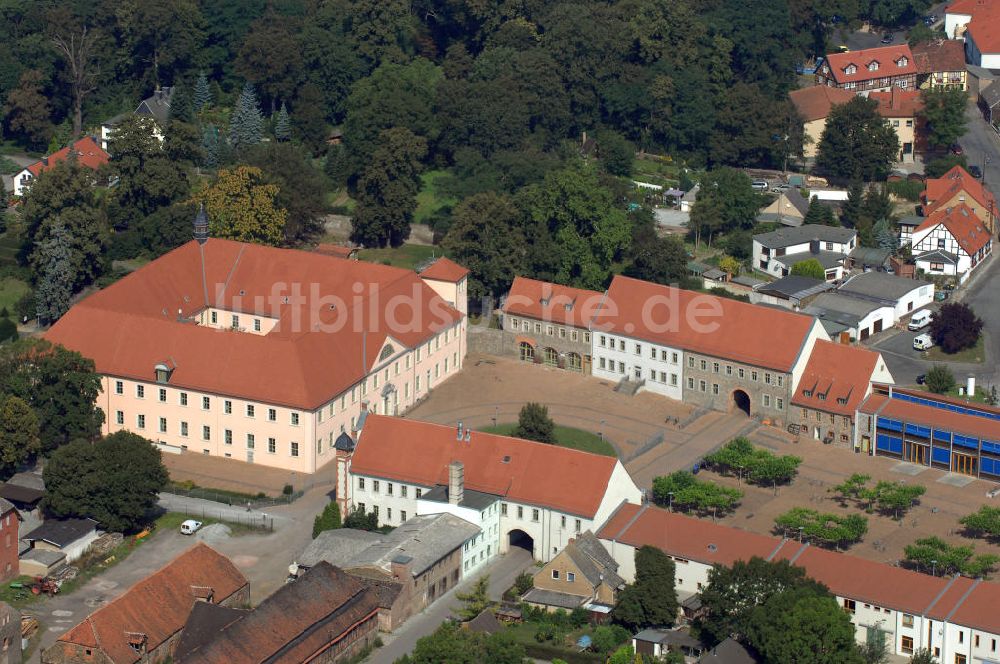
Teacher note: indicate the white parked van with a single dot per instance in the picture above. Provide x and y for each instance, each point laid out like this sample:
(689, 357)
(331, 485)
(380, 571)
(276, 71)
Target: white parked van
(922, 342)
(920, 320)
(190, 526)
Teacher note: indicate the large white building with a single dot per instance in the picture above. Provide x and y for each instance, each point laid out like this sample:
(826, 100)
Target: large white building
(954, 617)
(777, 252)
(543, 495)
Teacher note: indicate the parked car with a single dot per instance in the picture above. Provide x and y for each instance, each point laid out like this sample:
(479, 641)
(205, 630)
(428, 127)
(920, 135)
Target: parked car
(923, 342)
(957, 149)
(920, 320)
(976, 172)
(887, 38)
(780, 187)
(759, 185)
(922, 379)
(190, 527)
(930, 20)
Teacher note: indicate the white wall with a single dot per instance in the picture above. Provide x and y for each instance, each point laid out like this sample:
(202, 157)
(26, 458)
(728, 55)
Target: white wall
(816, 332)
(912, 301)
(22, 181)
(952, 22)
(483, 546)
(976, 56)
(620, 351)
(621, 489)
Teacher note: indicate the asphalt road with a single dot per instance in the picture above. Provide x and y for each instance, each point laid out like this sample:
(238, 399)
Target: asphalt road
(860, 40)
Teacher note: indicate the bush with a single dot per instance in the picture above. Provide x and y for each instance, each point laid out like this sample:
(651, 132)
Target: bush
(523, 583)
(606, 639)
(939, 379)
(907, 189)
(956, 327)
(8, 330)
(545, 632)
(288, 490)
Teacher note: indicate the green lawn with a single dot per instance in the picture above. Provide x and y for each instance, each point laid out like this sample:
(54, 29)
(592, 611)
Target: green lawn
(429, 200)
(11, 290)
(408, 256)
(974, 354)
(578, 439)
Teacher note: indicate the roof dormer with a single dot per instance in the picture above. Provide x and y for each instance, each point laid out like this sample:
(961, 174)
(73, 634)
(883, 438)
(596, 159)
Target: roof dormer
(850, 69)
(902, 62)
(873, 65)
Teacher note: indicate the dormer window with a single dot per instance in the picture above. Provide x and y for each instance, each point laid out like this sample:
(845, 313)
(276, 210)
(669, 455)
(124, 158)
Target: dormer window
(821, 396)
(842, 401)
(850, 69)
(163, 373)
(902, 62)
(873, 65)
(807, 393)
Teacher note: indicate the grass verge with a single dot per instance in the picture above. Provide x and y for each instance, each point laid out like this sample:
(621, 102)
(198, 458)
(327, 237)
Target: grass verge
(430, 200)
(12, 289)
(577, 439)
(970, 355)
(408, 256)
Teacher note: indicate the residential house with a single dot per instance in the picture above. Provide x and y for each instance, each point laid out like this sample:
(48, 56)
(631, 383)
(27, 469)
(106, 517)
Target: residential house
(714, 352)
(905, 296)
(814, 105)
(791, 292)
(84, 150)
(261, 354)
(949, 615)
(837, 378)
(10, 634)
(10, 522)
(940, 64)
(324, 616)
(951, 242)
(581, 575)
(549, 324)
(957, 187)
(989, 101)
(337, 251)
(902, 111)
(927, 429)
(155, 107)
(868, 258)
(144, 624)
(658, 642)
(398, 461)
(978, 23)
(788, 209)
(869, 69)
(776, 252)
(69, 537)
(423, 556)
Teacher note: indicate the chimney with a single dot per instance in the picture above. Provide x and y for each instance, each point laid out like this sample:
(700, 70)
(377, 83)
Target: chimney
(458, 435)
(45, 161)
(201, 225)
(814, 246)
(468, 435)
(401, 568)
(970, 385)
(456, 482)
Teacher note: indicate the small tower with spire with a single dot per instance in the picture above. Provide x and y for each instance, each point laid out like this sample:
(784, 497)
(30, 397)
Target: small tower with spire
(201, 225)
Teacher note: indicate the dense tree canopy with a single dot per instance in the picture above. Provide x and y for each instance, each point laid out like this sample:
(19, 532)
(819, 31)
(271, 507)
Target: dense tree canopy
(857, 143)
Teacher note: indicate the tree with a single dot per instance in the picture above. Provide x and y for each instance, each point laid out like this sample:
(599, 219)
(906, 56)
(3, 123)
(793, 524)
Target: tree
(360, 520)
(114, 481)
(246, 125)
(56, 276)
(19, 434)
(607, 638)
(934, 555)
(78, 46)
(29, 117)
(282, 126)
(661, 260)
(451, 644)
(730, 265)
(534, 423)
(944, 115)
(824, 527)
(387, 191)
(163, 36)
(739, 456)
(810, 268)
(939, 379)
(615, 152)
(486, 237)
(819, 214)
(857, 143)
(802, 626)
(310, 126)
(59, 385)
(956, 327)
(210, 146)
(735, 202)
(984, 522)
(181, 103)
(242, 206)
(683, 491)
(938, 166)
(652, 599)
(8, 330)
(853, 209)
(328, 519)
(270, 57)
(302, 188)
(920, 34)
(733, 594)
(897, 498)
(885, 235)
(852, 488)
(202, 93)
(166, 229)
(476, 600)
(923, 656)
(383, 30)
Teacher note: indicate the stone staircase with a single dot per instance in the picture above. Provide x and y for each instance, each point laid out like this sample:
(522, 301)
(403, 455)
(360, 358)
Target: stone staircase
(629, 387)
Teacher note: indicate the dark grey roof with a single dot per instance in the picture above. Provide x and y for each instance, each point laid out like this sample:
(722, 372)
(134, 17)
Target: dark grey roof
(21, 495)
(871, 256)
(728, 652)
(912, 220)
(30, 479)
(474, 500)
(991, 95)
(827, 259)
(344, 442)
(713, 273)
(6, 506)
(939, 255)
(43, 556)
(844, 304)
(337, 546)
(880, 286)
(157, 105)
(485, 623)
(677, 637)
(594, 561)
(786, 237)
(203, 625)
(743, 280)
(795, 287)
(554, 598)
(61, 532)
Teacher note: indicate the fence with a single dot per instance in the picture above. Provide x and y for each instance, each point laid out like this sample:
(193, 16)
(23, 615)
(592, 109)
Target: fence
(250, 520)
(232, 498)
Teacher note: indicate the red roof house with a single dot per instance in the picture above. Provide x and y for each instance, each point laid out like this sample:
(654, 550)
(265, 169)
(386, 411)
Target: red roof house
(88, 153)
(869, 69)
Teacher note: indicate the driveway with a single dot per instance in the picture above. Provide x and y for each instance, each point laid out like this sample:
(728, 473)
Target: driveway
(502, 572)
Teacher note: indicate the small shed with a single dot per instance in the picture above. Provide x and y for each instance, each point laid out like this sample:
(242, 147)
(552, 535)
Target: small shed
(41, 562)
(70, 537)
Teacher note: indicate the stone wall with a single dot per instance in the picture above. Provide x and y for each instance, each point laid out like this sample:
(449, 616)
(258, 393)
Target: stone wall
(488, 341)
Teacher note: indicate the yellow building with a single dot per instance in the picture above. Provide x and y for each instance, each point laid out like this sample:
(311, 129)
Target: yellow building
(901, 109)
(813, 105)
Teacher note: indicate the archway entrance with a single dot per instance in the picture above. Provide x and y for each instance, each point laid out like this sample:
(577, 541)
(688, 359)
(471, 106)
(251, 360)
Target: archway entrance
(522, 540)
(527, 352)
(741, 400)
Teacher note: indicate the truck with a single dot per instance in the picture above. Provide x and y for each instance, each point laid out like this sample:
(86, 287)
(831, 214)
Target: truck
(920, 320)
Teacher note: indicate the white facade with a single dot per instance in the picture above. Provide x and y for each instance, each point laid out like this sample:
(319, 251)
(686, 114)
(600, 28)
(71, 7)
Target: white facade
(954, 24)
(616, 357)
(975, 55)
(21, 182)
(939, 238)
(773, 261)
(480, 549)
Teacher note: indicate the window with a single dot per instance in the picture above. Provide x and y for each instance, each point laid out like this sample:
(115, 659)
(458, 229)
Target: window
(503, 508)
(702, 386)
(184, 398)
(140, 391)
(163, 395)
(767, 400)
(753, 376)
(578, 524)
(184, 429)
(272, 415)
(780, 404)
(250, 410)
(906, 645)
(206, 433)
(555, 574)
(119, 387)
(388, 514)
(402, 516)
(295, 449)
(295, 419)
(961, 636)
(691, 362)
(741, 373)
(206, 403)
(140, 421)
(228, 436)
(715, 367)
(638, 349)
(715, 388)
(375, 510)
(570, 577)
(690, 383)
(520, 512)
(235, 322)
(163, 425)
(534, 515)
(729, 370)
(361, 483)
(388, 488)
(850, 605)
(250, 441)
(120, 417)
(402, 490)
(215, 317)
(621, 345)
(256, 325)
(704, 365)
(767, 378)
(960, 659)
(227, 407)
(673, 379)
(375, 486)
(602, 362)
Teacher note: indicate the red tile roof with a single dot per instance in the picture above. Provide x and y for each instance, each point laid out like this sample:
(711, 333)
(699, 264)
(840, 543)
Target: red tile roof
(940, 55)
(444, 269)
(88, 153)
(814, 103)
(845, 575)
(970, 425)
(886, 56)
(984, 28)
(962, 223)
(335, 250)
(898, 103)
(939, 191)
(158, 606)
(542, 300)
(549, 476)
(327, 338)
(968, 7)
(836, 372)
(762, 336)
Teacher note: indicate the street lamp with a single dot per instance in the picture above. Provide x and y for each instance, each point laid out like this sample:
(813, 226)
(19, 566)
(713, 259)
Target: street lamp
(801, 528)
(670, 501)
(933, 568)
(496, 415)
(600, 433)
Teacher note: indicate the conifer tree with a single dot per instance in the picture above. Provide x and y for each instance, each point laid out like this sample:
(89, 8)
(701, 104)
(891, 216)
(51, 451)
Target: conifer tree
(181, 105)
(210, 146)
(55, 282)
(202, 93)
(283, 127)
(246, 126)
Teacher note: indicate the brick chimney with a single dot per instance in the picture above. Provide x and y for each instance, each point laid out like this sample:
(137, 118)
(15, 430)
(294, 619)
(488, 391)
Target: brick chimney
(402, 568)
(456, 482)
